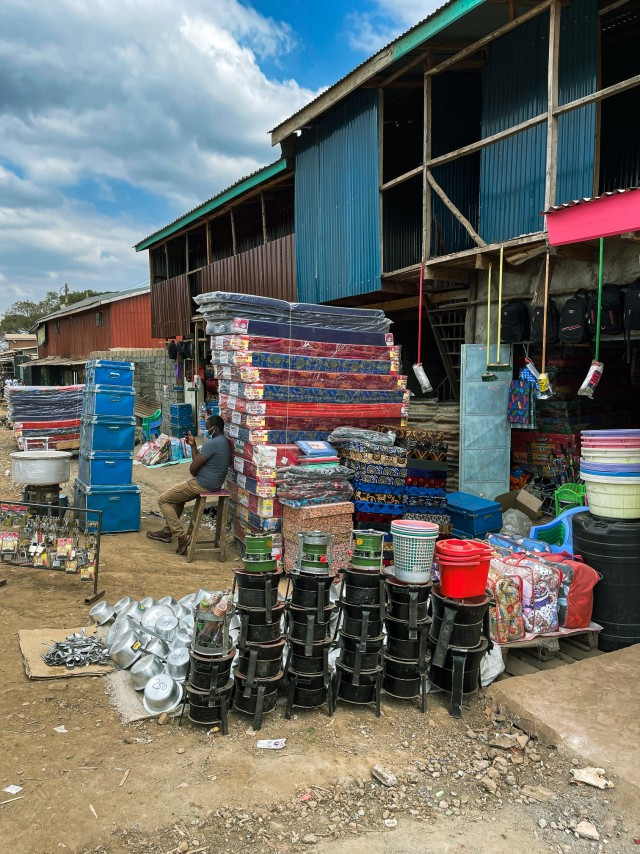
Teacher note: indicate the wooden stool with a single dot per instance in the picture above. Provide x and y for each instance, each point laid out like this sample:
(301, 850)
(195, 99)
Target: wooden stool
(219, 542)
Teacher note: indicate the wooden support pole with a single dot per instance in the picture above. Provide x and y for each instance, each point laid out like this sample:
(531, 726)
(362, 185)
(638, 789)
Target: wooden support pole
(454, 210)
(496, 34)
(552, 105)
(607, 92)
(264, 218)
(208, 226)
(233, 232)
(488, 140)
(401, 178)
(396, 74)
(426, 156)
(166, 255)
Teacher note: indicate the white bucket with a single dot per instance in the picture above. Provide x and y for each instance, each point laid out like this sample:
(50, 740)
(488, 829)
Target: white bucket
(613, 455)
(613, 497)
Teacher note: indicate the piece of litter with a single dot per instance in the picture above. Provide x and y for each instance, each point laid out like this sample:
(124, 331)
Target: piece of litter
(440, 793)
(60, 729)
(91, 807)
(390, 822)
(124, 778)
(13, 790)
(11, 800)
(271, 743)
(306, 797)
(591, 776)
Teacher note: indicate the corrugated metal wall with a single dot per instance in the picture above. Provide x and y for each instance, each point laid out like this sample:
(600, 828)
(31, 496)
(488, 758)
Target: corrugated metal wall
(514, 88)
(268, 270)
(336, 203)
(131, 323)
(78, 334)
(170, 308)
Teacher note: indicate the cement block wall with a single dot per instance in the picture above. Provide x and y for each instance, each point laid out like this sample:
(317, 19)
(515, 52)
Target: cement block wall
(154, 377)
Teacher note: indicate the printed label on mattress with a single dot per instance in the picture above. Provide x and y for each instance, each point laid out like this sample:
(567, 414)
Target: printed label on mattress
(230, 401)
(236, 418)
(233, 430)
(238, 464)
(241, 480)
(233, 389)
(389, 339)
(266, 455)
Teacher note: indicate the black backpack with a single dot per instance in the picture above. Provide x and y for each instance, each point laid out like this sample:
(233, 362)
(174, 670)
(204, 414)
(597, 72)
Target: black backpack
(612, 310)
(553, 323)
(574, 327)
(515, 322)
(631, 312)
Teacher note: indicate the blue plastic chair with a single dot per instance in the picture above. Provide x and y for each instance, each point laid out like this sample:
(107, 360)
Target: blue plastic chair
(559, 532)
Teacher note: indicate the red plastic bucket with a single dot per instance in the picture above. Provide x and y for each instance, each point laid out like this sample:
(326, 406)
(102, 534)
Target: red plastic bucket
(465, 572)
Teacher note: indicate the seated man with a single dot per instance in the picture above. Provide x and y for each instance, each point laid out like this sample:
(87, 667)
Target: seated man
(208, 471)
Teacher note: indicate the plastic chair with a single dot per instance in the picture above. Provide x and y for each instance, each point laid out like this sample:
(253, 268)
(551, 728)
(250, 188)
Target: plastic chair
(570, 495)
(151, 422)
(559, 532)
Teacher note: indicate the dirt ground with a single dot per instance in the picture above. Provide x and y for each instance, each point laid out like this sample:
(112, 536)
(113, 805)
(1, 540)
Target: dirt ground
(105, 787)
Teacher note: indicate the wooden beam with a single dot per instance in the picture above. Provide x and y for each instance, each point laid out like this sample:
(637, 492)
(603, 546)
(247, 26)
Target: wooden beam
(496, 34)
(233, 232)
(207, 227)
(392, 287)
(607, 92)
(394, 305)
(511, 7)
(488, 140)
(454, 210)
(634, 236)
(484, 259)
(426, 155)
(611, 6)
(448, 274)
(407, 67)
(263, 210)
(551, 171)
(525, 255)
(406, 176)
(576, 252)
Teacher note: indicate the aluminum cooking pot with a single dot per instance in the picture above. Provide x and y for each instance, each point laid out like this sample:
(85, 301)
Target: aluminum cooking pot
(157, 647)
(151, 616)
(182, 637)
(161, 694)
(144, 669)
(166, 626)
(121, 626)
(41, 468)
(188, 600)
(187, 622)
(167, 600)
(148, 602)
(101, 613)
(134, 611)
(177, 663)
(182, 611)
(126, 651)
(122, 604)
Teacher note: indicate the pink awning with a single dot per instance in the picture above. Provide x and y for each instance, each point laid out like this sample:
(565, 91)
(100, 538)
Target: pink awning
(590, 219)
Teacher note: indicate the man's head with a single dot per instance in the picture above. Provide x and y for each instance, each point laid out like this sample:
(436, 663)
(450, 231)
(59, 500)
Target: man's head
(215, 425)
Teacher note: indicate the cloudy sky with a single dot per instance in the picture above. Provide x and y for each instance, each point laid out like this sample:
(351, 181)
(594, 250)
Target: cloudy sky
(116, 116)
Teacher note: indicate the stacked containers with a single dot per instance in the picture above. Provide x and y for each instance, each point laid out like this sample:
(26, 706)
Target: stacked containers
(210, 686)
(181, 419)
(107, 438)
(425, 495)
(610, 468)
(308, 623)
(362, 604)
(258, 672)
(406, 619)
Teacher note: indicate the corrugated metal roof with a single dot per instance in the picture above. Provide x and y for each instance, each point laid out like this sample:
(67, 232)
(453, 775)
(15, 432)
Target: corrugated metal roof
(583, 201)
(56, 360)
(249, 182)
(95, 301)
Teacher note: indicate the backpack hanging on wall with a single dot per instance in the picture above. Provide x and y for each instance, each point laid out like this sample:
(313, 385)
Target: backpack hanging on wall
(631, 313)
(553, 323)
(574, 327)
(612, 311)
(515, 322)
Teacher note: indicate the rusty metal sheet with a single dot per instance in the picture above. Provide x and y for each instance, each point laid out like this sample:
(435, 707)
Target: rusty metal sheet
(170, 308)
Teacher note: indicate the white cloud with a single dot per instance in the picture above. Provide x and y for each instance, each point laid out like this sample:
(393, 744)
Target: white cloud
(157, 97)
(371, 30)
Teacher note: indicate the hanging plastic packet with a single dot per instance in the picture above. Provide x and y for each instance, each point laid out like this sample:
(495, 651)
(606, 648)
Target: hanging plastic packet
(422, 378)
(592, 379)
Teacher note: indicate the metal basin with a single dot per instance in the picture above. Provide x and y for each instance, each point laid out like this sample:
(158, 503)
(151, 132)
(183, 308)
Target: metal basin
(134, 611)
(151, 616)
(182, 637)
(182, 612)
(166, 626)
(121, 626)
(41, 468)
(101, 613)
(167, 600)
(161, 694)
(177, 663)
(143, 670)
(157, 647)
(126, 651)
(148, 602)
(188, 600)
(122, 604)
(188, 622)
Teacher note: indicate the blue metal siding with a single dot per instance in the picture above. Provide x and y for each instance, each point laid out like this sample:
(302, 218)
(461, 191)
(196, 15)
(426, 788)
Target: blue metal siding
(514, 89)
(336, 203)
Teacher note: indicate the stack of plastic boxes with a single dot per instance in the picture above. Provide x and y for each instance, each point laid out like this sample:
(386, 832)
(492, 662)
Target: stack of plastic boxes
(107, 437)
(181, 415)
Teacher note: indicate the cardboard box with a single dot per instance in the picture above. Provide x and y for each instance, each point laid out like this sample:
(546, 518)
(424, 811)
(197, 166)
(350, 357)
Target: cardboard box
(520, 499)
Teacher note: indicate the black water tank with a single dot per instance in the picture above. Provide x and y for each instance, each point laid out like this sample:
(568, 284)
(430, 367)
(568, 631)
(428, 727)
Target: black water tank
(612, 547)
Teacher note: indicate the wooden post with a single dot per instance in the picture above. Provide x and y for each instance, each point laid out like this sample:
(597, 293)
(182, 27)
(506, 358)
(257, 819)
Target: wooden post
(233, 232)
(552, 106)
(381, 176)
(186, 252)
(264, 218)
(454, 210)
(208, 226)
(166, 256)
(426, 157)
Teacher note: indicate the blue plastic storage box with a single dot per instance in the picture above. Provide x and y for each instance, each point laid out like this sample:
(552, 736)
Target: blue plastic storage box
(105, 372)
(107, 434)
(178, 432)
(120, 505)
(180, 410)
(473, 516)
(108, 400)
(105, 468)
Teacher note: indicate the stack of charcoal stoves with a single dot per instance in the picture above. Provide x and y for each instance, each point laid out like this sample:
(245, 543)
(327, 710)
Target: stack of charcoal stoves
(209, 687)
(358, 677)
(258, 672)
(308, 624)
(407, 626)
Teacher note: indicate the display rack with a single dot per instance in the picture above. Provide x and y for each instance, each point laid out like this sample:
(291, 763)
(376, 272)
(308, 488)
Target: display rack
(25, 554)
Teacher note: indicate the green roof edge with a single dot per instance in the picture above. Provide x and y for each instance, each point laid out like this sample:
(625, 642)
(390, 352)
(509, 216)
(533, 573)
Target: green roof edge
(433, 26)
(217, 201)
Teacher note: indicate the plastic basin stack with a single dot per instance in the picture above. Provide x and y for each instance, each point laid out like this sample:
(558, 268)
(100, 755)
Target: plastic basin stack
(610, 468)
(290, 372)
(107, 438)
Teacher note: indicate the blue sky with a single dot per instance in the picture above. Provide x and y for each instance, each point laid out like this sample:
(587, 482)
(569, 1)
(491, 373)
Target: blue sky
(116, 116)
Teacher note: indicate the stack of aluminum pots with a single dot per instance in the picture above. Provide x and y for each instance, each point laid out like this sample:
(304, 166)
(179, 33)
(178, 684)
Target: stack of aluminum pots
(407, 626)
(209, 688)
(362, 610)
(308, 624)
(258, 672)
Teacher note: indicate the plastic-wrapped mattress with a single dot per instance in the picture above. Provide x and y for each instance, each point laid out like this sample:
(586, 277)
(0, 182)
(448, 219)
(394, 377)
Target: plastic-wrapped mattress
(263, 344)
(303, 363)
(306, 379)
(249, 397)
(295, 420)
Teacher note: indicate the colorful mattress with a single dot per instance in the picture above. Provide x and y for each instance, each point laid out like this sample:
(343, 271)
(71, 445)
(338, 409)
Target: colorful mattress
(238, 395)
(306, 379)
(261, 344)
